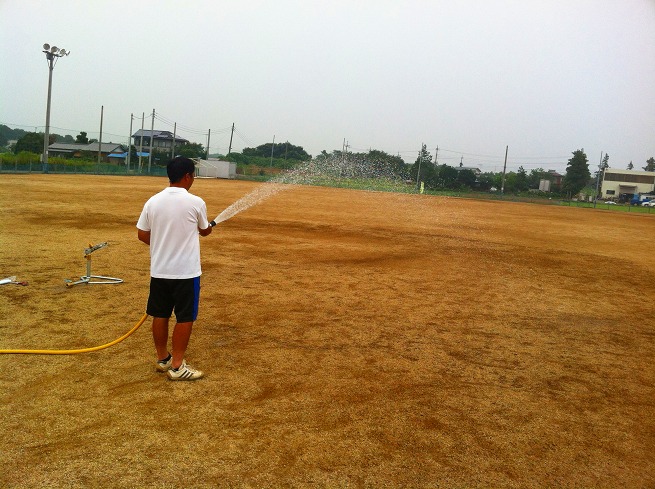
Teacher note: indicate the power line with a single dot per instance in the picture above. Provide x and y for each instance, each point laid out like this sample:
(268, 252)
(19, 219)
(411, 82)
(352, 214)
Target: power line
(180, 126)
(245, 138)
(471, 158)
(483, 158)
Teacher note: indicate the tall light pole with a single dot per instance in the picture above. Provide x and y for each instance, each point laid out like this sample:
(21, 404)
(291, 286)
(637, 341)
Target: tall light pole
(51, 55)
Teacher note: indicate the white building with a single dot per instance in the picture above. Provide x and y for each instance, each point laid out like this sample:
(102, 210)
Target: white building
(625, 184)
(212, 168)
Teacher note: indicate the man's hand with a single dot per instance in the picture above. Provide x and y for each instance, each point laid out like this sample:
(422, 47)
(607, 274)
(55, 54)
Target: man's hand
(206, 232)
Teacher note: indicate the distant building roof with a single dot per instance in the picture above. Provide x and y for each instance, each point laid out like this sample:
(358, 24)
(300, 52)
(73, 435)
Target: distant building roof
(73, 147)
(628, 172)
(157, 135)
(70, 147)
(105, 148)
(474, 169)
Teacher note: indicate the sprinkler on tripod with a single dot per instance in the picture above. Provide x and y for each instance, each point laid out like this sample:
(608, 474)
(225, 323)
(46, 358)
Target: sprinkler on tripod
(99, 279)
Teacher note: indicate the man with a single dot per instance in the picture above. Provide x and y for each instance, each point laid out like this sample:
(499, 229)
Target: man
(170, 223)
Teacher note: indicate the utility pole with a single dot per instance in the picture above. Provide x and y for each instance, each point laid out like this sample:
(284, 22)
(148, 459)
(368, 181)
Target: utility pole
(436, 155)
(129, 144)
(502, 186)
(102, 110)
(173, 145)
(229, 149)
(152, 137)
(600, 167)
(143, 118)
(418, 173)
(209, 131)
(272, 147)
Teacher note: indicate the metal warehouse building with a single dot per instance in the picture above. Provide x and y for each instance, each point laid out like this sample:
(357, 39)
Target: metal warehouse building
(625, 184)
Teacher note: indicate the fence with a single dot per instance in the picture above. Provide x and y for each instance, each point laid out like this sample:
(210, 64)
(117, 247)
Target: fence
(89, 167)
(610, 207)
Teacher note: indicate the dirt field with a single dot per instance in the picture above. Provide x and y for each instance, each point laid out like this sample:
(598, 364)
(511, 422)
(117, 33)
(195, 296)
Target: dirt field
(349, 338)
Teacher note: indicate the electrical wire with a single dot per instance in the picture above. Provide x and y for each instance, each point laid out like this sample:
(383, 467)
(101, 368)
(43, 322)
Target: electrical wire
(245, 138)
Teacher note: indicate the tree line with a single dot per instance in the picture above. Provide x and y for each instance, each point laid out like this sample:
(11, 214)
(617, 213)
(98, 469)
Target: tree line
(577, 177)
(371, 164)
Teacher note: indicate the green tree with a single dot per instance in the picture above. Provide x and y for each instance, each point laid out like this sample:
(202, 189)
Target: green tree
(423, 170)
(604, 165)
(190, 150)
(237, 158)
(536, 176)
(63, 139)
(466, 178)
(510, 182)
(32, 142)
(446, 177)
(489, 180)
(7, 134)
(650, 164)
(280, 150)
(521, 183)
(386, 165)
(577, 173)
(81, 138)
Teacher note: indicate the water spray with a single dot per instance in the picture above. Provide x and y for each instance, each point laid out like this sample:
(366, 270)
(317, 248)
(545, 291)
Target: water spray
(332, 170)
(255, 197)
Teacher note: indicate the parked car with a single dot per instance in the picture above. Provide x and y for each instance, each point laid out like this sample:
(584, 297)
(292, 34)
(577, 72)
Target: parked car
(651, 203)
(646, 203)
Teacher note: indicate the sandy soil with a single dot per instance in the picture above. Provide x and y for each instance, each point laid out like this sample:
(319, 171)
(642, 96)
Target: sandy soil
(350, 339)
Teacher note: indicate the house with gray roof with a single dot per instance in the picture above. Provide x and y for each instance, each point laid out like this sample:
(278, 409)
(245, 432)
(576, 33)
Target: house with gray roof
(161, 140)
(78, 150)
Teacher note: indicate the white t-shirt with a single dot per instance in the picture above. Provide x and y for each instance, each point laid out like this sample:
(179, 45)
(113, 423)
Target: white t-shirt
(173, 217)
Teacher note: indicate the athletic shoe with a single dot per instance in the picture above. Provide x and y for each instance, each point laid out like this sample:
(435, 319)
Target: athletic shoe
(185, 372)
(165, 364)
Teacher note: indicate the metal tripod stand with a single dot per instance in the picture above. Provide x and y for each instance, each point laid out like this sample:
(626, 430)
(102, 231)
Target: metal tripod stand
(99, 279)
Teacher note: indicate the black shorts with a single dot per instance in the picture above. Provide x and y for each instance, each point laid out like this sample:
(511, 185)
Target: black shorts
(179, 295)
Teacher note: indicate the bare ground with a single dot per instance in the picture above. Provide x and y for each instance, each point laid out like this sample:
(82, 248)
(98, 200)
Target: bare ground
(350, 339)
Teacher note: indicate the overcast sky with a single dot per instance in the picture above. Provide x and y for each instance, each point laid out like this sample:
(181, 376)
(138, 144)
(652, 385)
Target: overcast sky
(544, 77)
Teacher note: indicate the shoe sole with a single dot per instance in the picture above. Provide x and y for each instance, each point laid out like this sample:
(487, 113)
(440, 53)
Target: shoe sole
(186, 377)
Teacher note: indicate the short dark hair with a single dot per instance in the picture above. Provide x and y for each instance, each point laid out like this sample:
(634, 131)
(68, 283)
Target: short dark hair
(178, 167)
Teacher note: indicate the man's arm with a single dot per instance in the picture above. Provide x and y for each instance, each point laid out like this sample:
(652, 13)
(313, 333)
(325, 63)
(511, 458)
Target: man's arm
(206, 232)
(143, 236)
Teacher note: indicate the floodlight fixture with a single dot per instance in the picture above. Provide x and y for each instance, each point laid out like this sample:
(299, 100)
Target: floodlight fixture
(51, 54)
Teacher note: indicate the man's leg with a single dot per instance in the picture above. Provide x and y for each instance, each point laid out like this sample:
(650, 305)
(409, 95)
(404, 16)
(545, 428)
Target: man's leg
(160, 335)
(181, 335)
